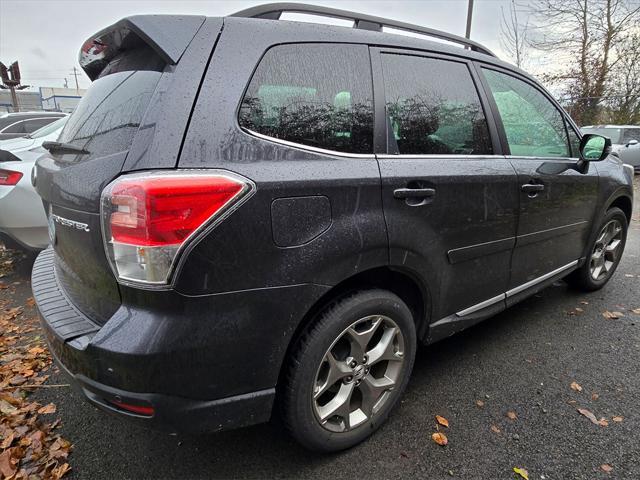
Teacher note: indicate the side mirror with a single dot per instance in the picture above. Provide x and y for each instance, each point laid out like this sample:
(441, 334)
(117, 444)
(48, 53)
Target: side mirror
(594, 148)
(631, 143)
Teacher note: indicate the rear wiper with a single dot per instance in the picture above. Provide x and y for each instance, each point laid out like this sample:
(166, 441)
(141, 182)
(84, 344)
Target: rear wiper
(64, 147)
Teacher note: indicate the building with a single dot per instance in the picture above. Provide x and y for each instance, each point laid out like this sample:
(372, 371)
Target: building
(60, 99)
(27, 101)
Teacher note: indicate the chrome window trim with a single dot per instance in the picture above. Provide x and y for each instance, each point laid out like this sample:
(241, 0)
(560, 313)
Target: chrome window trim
(308, 148)
(523, 157)
(436, 155)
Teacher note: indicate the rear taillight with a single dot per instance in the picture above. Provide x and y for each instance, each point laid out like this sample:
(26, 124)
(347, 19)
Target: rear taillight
(148, 218)
(9, 177)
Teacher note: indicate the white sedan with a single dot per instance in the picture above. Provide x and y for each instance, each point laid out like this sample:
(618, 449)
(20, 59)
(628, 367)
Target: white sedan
(23, 222)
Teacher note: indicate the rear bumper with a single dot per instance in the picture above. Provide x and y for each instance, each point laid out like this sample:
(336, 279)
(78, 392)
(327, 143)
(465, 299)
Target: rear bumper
(176, 414)
(203, 363)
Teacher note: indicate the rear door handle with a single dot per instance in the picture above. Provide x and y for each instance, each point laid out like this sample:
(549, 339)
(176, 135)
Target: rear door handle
(414, 192)
(532, 187)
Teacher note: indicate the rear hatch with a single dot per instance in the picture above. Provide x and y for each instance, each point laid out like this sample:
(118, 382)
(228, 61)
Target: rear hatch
(128, 120)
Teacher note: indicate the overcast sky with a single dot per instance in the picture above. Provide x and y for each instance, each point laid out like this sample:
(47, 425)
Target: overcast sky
(45, 36)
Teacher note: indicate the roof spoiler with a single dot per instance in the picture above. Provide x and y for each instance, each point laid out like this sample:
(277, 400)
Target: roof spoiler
(167, 35)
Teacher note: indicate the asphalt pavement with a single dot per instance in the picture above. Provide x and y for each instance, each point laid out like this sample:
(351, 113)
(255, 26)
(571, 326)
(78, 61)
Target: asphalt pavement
(523, 361)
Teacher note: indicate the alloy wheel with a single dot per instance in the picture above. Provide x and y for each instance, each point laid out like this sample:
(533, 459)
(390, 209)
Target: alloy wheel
(358, 373)
(606, 250)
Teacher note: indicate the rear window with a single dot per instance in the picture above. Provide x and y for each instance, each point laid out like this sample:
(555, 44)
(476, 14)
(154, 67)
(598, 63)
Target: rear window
(318, 95)
(48, 129)
(108, 116)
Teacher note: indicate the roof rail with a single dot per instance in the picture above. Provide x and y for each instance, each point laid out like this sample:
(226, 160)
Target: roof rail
(273, 11)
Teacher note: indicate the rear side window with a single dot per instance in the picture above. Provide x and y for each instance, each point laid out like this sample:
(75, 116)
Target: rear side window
(319, 95)
(432, 107)
(36, 124)
(17, 127)
(533, 125)
(631, 134)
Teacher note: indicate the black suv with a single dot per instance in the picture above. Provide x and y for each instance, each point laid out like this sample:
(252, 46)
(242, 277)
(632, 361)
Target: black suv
(248, 212)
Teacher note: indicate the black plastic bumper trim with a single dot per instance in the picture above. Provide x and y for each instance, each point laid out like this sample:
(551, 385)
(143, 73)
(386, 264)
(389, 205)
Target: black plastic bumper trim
(56, 310)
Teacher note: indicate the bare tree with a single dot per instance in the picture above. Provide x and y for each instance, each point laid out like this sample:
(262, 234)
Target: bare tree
(624, 84)
(587, 34)
(513, 35)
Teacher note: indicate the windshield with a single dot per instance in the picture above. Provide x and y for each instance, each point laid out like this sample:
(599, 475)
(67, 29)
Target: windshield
(48, 129)
(108, 116)
(612, 133)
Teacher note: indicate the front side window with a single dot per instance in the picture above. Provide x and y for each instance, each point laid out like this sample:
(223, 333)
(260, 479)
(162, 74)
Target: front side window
(432, 107)
(533, 125)
(319, 95)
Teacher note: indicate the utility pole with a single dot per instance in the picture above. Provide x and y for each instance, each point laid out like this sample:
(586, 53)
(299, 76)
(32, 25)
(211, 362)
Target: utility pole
(469, 17)
(11, 80)
(75, 74)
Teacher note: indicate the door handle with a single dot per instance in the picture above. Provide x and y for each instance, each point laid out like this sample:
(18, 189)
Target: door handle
(414, 192)
(532, 188)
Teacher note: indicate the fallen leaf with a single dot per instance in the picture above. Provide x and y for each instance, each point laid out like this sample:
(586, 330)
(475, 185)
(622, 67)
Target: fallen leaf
(606, 468)
(584, 302)
(480, 403)
(47, 409)
(6, 443)
(512, 415)
(610, 315)
(36, 350)
(60, 471)
(617, 419)
(522, 472)
(603, 422)
(7, 466)
(442, 421)
(589, 415)
(30, 302)
(17, 380)
(594, 396)
(6, 408)
(628, 275)
(440, 438)
(636, 311)
(495, 429)
(575, 386)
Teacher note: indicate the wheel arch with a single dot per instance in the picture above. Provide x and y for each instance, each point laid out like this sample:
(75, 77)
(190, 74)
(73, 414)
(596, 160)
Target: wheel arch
(623, 202)
(402, 282)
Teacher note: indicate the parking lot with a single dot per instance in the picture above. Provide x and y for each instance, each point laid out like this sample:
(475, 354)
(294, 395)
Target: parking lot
(521, 362)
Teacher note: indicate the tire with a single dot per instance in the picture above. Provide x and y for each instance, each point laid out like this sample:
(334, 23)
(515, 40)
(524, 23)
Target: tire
(322, 369)
(584, 278)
